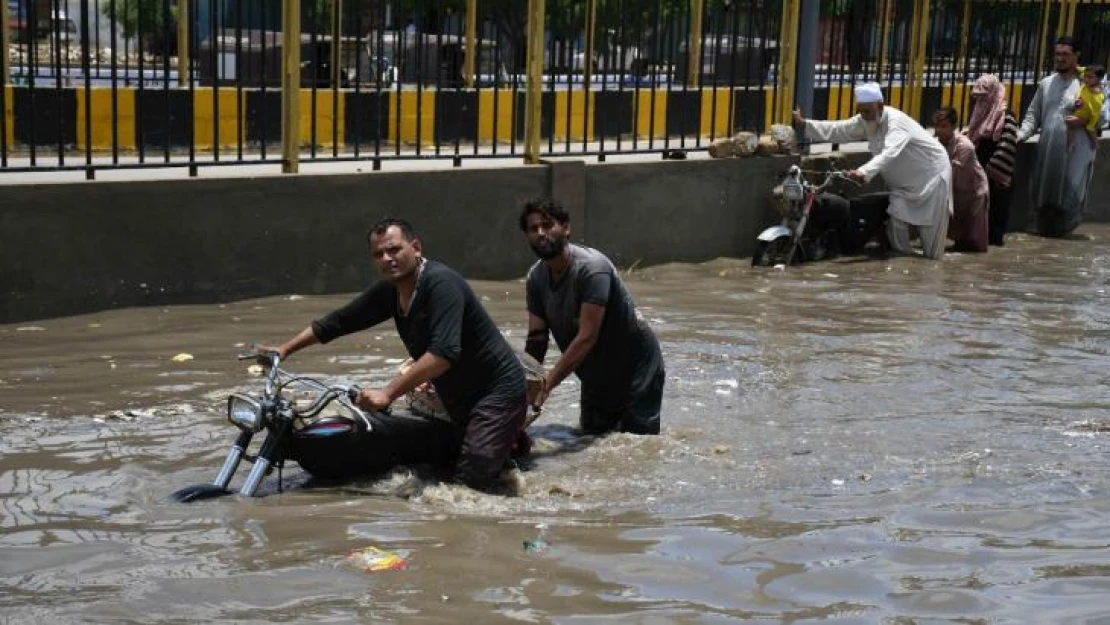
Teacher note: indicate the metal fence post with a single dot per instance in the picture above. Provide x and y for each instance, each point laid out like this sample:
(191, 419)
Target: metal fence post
(965, 39)
(887, 14)
(915, 78)
(183, 43)
(471, 52)
(807, 54)
(591, 43)
(291, 87)
(788, 61)
(693, 49)
(5, 42)
(336, 41)
(533, 107)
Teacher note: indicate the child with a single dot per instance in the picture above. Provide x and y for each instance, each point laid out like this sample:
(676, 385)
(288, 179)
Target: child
(970, 225)
(1088, 106)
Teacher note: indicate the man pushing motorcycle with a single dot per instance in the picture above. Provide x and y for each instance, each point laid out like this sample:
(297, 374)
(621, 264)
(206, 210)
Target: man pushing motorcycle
(914, 166)
(451, 338)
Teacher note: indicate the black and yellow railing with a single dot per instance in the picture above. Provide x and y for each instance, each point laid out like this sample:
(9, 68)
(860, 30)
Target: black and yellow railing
(227, 83)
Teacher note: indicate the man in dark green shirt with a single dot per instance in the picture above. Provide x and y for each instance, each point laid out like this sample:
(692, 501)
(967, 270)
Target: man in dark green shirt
(451, 338)
(575, 295)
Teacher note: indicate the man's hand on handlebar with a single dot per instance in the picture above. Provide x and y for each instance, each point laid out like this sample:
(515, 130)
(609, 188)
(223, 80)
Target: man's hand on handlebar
(799, 120)
(857, 176)
(263, 354)
(373, 399)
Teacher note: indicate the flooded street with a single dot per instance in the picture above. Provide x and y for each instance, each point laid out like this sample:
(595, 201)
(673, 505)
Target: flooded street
(849, 442)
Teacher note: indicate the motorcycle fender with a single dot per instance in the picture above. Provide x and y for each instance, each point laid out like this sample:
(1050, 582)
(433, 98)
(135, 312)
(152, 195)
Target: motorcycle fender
(774, 232)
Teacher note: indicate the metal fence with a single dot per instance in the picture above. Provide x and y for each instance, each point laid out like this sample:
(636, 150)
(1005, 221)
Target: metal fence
(94, 84)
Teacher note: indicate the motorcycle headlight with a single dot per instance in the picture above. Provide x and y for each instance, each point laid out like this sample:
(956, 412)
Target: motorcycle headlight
(244, 412)
(792, 189)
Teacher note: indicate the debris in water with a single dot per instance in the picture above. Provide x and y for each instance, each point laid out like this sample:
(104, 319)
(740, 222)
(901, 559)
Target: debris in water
(830, 275)
(728, 383)
(838, 482)
(723, 391)
(295, 298)
(865, 477)
(537, 545)
(182, 357)
(721, 449)
(374, 560)
(31, 329)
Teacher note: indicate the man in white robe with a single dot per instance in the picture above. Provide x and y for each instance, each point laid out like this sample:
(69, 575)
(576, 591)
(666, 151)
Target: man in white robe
(1059, 180)
(914, 166)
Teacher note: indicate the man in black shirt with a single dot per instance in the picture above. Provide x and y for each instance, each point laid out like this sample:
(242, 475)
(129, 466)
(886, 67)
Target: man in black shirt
(575, 294)
(451, 338)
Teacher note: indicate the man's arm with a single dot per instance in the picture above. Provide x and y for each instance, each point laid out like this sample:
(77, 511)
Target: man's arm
(446, 301)
(536, 343)
(1031, 123)
(589, 326)
(302, 340)
(897, 137)
(368, 309)
(836, 132)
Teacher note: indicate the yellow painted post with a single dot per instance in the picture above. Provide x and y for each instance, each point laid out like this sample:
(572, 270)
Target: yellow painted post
(788, 60)
(693, 48)
(961, 69)
(183, 42)
(591, 43)
(965, 30)
(1066, 21)
(1072, 9)
(1042, 44)
(291, 87)
(533, 101)
(470, 60)
(5, 78)
(918, 47)
(887, 13)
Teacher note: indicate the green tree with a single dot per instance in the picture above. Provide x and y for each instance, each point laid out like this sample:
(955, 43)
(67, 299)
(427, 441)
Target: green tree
(143, 18)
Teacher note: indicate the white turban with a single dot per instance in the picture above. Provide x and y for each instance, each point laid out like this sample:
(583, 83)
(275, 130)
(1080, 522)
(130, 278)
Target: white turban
(869, 93)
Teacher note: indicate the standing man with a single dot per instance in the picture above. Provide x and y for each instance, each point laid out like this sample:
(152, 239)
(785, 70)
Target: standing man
(1060, 176)
(914, 166)
(575, 294)
(453, 341)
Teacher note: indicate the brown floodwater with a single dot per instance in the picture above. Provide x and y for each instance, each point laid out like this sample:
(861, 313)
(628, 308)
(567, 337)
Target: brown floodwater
(847, 442)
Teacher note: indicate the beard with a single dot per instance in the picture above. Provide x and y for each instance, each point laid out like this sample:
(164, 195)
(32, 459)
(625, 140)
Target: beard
(551, 249)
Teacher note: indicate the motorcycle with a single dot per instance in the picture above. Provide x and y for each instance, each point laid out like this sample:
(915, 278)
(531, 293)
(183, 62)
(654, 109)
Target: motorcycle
(318, 426)
(817, 225)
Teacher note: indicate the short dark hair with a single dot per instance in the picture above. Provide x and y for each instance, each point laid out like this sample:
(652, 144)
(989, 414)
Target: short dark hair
(379, 228)
(949, 113)
(544, 206)
(1099, 70)
(1069, 42)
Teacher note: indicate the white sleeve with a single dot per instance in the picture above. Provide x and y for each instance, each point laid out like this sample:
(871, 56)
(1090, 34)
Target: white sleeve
(836, 132)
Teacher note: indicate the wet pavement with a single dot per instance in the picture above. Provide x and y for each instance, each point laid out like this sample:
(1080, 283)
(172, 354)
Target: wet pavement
(850, 442)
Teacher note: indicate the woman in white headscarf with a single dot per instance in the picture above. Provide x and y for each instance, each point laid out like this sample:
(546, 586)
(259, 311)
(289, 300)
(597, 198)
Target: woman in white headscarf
(993, 130)
(914, 166)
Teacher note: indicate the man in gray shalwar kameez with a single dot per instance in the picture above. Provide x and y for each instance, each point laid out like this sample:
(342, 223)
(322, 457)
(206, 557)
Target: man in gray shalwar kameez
(1059, 180)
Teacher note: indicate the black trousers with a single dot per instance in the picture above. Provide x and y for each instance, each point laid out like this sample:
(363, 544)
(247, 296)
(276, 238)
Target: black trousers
(999, 213)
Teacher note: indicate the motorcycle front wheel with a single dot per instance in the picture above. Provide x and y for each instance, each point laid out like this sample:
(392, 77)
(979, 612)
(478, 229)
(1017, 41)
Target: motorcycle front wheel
(771, 253)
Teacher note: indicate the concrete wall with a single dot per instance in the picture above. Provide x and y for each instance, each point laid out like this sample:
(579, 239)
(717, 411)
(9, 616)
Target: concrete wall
(75, 248)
